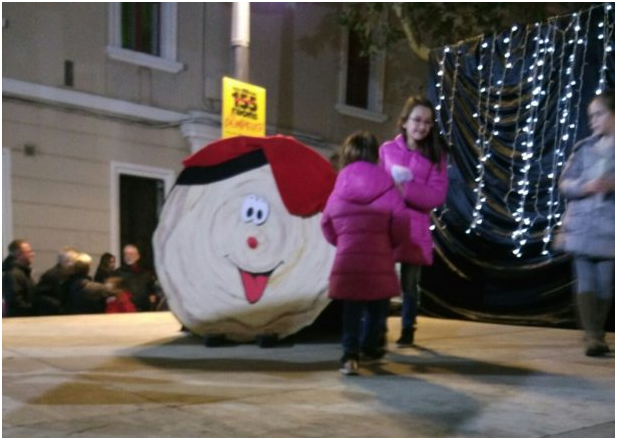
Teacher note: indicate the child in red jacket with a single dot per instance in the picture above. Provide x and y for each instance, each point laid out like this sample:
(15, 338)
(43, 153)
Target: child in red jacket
(121, 301)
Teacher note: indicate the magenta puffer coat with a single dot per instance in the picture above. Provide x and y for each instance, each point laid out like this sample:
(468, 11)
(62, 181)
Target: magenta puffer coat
(426, 191)
(365, 219)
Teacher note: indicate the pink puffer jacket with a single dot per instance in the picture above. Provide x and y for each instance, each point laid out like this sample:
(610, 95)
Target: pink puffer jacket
(426, 191)
(365, 219)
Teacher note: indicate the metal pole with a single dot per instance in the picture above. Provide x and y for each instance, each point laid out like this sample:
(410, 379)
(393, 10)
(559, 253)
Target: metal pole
(240, 39)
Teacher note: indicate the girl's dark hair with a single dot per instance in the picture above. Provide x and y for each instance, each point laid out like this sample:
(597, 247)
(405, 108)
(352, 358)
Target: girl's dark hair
(359, 146)
(105, 258)
(607, 97)
(432, 146)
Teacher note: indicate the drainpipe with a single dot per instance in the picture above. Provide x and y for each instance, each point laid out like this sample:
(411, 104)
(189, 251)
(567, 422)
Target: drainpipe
(240, 39)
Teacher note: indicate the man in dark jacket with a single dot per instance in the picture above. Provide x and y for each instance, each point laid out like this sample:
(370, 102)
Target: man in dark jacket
(50, 290)
(17, 284)
(139, 281)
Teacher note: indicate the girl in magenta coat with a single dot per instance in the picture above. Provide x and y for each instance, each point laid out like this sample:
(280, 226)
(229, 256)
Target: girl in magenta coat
(416, 159)
(365, 219)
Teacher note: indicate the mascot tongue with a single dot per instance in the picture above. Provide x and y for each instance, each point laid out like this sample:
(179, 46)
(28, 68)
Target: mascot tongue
(254, 285)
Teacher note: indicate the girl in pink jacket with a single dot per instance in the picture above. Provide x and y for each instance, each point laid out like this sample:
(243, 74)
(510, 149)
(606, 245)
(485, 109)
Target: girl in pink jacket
(416, 159)
(364, 219)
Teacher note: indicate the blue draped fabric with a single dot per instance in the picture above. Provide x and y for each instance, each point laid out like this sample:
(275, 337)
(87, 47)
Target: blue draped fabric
(511, 106)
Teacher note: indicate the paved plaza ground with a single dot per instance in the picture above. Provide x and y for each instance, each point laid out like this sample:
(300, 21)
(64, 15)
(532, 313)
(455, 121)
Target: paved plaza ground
(137, 375)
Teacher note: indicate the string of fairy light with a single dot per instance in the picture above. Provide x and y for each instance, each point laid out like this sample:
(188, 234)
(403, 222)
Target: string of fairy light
(482, 141)
(606, 33)
(552, 206)
(533, 143)
(558, 47)
(567, 129)
(442, 101)
(519, 113)
(548, 51)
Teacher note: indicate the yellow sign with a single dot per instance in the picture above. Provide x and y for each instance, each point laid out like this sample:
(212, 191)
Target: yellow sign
(244, 109)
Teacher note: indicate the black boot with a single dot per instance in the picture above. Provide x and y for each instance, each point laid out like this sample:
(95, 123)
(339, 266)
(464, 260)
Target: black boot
(215, 340)
(406, 337)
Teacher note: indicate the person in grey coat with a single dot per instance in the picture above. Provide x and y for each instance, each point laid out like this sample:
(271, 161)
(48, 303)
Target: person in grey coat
(588, 184)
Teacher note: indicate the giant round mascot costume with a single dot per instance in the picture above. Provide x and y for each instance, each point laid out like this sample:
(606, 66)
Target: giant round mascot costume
(238, 249)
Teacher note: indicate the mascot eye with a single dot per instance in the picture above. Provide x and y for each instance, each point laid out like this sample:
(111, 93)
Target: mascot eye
(262, 210)
(248, 208)
(255, 209)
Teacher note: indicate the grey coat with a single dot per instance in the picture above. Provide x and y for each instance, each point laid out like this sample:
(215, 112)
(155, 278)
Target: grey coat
(589, 221)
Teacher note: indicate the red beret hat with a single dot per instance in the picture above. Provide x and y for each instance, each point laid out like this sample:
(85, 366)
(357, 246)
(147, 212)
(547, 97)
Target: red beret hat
(304, 178)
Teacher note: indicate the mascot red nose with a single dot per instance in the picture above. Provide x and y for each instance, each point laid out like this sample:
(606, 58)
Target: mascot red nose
(239, 250)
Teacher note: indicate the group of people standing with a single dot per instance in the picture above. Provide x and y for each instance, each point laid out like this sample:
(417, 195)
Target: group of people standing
(67, 287)
(378, 215)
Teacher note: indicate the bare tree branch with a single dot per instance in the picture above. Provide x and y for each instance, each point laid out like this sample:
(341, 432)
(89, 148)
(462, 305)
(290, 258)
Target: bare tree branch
(419, 49)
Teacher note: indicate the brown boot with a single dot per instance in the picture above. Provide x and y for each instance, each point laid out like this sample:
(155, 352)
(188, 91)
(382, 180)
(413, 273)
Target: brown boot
(604, 308)
(590, 315)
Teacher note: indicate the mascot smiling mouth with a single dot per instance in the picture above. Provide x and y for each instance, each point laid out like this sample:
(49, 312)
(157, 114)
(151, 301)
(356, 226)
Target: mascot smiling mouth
(255, 283)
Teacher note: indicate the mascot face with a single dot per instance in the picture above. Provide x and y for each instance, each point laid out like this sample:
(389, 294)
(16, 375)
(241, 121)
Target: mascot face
(232, 260)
